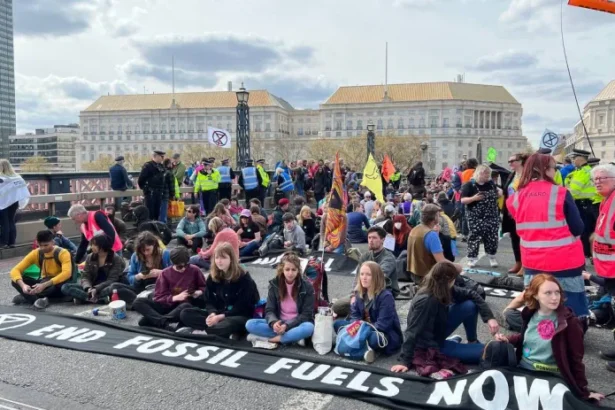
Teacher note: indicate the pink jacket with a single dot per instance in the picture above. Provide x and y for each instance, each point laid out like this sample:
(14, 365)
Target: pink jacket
(225, 235)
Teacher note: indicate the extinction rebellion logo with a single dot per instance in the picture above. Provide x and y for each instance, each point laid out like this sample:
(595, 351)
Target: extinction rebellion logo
(14, 320)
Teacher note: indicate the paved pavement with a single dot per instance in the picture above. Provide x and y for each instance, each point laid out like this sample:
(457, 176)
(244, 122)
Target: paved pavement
(42, 377)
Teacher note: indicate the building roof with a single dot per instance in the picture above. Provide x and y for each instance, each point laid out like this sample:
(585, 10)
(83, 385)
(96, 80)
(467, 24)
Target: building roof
(422, 92)
(209, 99)
(607, 93)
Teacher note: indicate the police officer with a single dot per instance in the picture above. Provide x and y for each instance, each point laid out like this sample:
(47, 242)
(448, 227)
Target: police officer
(265, 180)
(396, 179)
(151, 181)
(227, 175)
(206, 184)
(250, 180)
(582, 188)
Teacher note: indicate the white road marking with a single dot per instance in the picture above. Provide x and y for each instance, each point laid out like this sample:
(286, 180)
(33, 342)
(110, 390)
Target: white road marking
(18, 403)
(307, 400)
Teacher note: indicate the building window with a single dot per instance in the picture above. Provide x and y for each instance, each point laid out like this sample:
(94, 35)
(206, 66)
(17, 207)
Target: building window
(359, 124)
(422, 122)
(411, 123)
(380, 125)
(400, 123)
(338, 125)
(328, 126)
(604, 145)
(433, 122)
(458, 124)
(349, 124)
(444, 122)
(390, 124)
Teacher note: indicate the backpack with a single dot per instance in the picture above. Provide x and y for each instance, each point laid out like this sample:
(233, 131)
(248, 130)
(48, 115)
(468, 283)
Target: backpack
(316, 275)
(498, 354)
(56, 256)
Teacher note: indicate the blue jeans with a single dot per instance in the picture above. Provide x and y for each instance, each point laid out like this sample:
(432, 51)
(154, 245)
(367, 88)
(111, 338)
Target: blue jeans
(259, 327)
(465, 313)
(164, 207)
(249, 249)
(372, 338)
(196, 260)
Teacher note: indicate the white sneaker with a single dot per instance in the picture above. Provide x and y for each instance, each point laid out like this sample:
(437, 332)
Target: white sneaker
(370, 355)
(254, 338)
(301, 343)
(264, 345)
(493, 262)
(199, 332)
(472, 262)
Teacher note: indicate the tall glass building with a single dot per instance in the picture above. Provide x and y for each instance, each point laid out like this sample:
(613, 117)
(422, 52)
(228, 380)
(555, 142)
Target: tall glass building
(7, 77)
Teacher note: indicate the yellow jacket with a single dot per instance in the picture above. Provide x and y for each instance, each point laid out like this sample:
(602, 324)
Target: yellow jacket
(50, 269)
(207, 182)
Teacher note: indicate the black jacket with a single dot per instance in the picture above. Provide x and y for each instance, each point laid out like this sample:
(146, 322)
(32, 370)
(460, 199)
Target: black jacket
(508, 223)
(448, 207)
(321, 181)
(113, 268)
(305, 304)
(119, 178)
(427, 319)
(151, 177)
(232, 298)
(416, 176)
(168, 189)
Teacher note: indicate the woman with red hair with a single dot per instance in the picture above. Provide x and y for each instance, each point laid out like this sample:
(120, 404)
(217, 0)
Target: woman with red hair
(552, 336)
(549, 225)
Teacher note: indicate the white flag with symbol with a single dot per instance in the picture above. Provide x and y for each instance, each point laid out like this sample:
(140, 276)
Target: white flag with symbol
(219, 137)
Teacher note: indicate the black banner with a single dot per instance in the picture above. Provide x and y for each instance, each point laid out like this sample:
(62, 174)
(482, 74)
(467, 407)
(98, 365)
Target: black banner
(335, 264)
(492, 389)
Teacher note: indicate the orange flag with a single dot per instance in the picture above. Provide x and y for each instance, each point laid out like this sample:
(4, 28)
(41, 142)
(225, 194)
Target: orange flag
(388, 169)
(336, 211)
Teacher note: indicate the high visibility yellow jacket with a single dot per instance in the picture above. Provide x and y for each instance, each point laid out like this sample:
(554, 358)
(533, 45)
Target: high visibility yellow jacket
(264, 176)
(206, 182)
(580, 184)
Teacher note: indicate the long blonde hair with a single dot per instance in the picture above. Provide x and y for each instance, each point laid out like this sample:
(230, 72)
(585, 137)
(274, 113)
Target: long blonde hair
(6, 168)
(234, 271)
(215, 224)
(300, 216)
(378, 281)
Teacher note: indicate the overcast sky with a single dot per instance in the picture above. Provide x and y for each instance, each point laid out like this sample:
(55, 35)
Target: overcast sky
(69, 52)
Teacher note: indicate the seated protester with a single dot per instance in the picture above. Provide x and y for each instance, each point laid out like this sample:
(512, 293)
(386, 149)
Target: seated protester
(145, 224)
(383, 257)
(307, 222)
(447, 234)
(146, 264)
(103, 268)
(401, 231)
(91, 223)
(56, 269)
(356, 222)
(230, 296)
(118, 223)
(289, 314)
(235, 209)
(436, 311)
(405, 208)
(258, 219)
(376, 212)
(424, 246)
(294, 237)
(221, 235)
(374, 303)
(55, 225)
(276, 224)
(551, 339)
(249, 234)
(299, 203)
(386, 220)
(178, 287)
(221, 212)
(191, 229)
(447, 206)
(256, 201)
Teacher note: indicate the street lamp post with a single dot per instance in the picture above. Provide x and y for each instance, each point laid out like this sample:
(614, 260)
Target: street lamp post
(243, 127)
(371, 144)
(424, 147)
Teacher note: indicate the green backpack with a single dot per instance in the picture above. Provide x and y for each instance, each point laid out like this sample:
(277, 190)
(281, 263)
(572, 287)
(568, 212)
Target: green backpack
(56, 256)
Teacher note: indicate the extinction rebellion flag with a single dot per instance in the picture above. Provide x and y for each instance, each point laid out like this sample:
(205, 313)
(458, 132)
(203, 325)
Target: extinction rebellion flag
(336, 210)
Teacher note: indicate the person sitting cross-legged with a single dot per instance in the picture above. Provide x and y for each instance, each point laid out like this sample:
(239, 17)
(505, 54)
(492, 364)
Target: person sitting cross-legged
(248, 233)
(289, 314)
(221, 235)
(103, 268)
(294, 237)
(191, 229)
(178, 287)
(56, 267)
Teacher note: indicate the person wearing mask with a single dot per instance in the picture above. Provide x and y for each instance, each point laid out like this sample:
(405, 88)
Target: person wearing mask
(356, 222)
(170, 191)
(374, 303)
(152, 182)
(221, 234)
(118, 223)
(480, 196)
(307, 222)
(227, 176)
(259, 219)
(250, 180)
(401, 232)
(277, 222)
(92, 223)
(289, 313)
(551, 338)
(294, 237)
(14, 195)
(424, 246)
(230, 297)
(179, 169)
(511, 186)
(264, 181)
(179, 287)
(102, 269)
(206, 185)
(416, 179)
(438, 308)
(55, 225)
(191, 229)
(119, 180)
(249, 234)
(549, 225)
(383, 257)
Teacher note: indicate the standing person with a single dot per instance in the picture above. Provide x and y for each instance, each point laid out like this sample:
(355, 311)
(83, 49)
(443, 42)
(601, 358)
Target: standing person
(14, 194)
(179, 287)
(289, 313)
(249, 234)
(480, 195)
(264, 181)
(604, 237)
(320, 182)
(424, 246)
(92, 223)
(170, 191)
(119, 180)
(230, 296)
(374, 303)
(549, 224)
(416, 179)
(285, 186)
(567, 168)
(511, 186)
(250, 180)
(151, 181)
(102, 269)
(55, 225)
(551, 338)
(207, 185)
(396, 179)
(466, 176)
(300, 177)
(436, 311)
(227, 176)
(118, 224)
(584, 194)
(179, 169)
(191, 229)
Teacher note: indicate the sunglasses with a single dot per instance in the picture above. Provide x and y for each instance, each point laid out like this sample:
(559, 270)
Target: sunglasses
(510, 161)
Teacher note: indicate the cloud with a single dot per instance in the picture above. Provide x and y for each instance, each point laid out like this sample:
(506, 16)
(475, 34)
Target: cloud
(51, 17)
(413, 3)
(506, 60)
(164, 74)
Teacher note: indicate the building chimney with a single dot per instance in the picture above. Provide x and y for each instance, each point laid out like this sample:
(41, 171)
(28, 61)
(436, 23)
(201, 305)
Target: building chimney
(229, 86)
